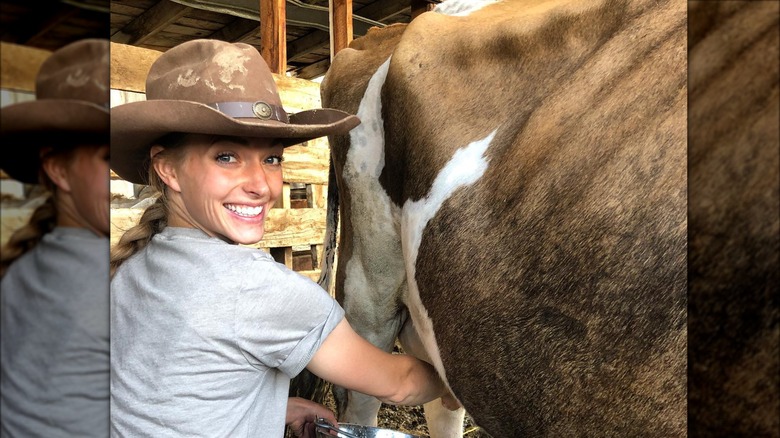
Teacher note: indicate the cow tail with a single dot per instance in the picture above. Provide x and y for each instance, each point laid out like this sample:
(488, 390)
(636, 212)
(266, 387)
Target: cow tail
(306, 384)
(331, 230)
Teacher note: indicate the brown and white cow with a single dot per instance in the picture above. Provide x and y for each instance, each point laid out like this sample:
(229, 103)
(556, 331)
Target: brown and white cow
(513, 206)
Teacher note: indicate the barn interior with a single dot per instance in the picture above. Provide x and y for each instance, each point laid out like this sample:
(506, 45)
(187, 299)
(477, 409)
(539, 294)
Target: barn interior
(140, 30)
(162, 24)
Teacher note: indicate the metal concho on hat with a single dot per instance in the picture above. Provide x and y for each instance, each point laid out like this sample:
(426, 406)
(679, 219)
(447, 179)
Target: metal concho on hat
(258, 109)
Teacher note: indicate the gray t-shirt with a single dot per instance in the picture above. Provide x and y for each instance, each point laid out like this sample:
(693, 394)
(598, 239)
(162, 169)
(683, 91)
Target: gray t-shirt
(205, 337)
(54, 340)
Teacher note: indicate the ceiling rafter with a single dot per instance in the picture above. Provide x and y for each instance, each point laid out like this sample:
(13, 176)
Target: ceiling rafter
(152, 21)
(316, 69)
(311, 42)
(38, 23)
(237, 31)
(381, 10)
(162, 24)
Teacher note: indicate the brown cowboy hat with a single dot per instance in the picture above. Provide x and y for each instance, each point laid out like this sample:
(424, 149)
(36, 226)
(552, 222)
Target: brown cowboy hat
(71, 108)
(210, 87)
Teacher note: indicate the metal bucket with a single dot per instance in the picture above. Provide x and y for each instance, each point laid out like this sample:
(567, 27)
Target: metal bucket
(347, 430)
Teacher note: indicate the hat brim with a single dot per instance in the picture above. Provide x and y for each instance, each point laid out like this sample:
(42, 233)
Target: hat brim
(136, 126)
(27, 127)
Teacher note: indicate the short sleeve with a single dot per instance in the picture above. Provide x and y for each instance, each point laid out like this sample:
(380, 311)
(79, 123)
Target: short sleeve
(281, 317)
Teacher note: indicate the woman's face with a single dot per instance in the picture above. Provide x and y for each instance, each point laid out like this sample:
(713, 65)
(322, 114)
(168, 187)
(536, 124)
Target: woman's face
(223, 185)
(83, 193)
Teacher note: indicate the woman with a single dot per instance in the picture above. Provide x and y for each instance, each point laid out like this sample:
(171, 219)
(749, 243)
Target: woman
(206, 334)
(54, 338)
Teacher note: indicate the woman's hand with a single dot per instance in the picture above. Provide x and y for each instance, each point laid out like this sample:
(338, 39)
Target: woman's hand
(302, 413)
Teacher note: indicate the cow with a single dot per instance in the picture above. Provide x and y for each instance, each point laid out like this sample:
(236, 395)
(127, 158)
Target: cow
(513, 209)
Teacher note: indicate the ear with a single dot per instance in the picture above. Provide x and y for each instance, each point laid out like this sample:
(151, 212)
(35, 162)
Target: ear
(164, 168)
(55, 168)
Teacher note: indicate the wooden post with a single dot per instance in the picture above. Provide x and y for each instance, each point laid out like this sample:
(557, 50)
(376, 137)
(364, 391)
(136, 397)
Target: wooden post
(273, 34)
(340, 25)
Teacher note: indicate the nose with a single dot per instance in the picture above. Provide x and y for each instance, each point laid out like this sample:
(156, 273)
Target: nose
(256, 181)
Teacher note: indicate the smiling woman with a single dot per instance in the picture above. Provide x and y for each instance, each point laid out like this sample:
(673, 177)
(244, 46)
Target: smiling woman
(233, 326)
(295, 226)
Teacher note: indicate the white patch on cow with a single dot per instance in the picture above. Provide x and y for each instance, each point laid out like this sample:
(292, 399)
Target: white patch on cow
(374, 281)
(460, 8)
(375, 274)
(465, 167)
(366, 155)
(443, 422)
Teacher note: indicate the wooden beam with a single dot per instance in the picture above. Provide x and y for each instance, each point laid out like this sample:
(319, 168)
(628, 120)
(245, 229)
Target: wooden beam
(130, 65)
(298, 94)
(19, 66)
(340, 25)
(312, 71)
(238, 30)
(150, 22)
(57, 16)
(273, 34)
(306, 44)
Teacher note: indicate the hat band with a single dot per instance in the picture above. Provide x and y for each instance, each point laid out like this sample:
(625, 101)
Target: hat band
(254, 110)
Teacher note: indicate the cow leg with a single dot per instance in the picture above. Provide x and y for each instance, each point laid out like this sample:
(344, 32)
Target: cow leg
(442, 423)
(358, 408)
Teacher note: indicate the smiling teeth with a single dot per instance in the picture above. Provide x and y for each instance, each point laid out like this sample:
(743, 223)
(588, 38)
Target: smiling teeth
(242, 210)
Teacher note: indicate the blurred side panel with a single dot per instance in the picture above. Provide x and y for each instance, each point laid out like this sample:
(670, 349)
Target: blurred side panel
(734, 214)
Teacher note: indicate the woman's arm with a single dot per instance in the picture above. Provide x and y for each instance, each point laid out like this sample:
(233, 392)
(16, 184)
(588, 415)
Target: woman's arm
(348, 360)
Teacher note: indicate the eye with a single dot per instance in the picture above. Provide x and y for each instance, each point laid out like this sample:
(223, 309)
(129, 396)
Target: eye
(274, 160)
(226, 158)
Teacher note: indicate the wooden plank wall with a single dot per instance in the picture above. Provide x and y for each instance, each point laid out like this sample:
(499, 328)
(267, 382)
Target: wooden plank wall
(295, 227)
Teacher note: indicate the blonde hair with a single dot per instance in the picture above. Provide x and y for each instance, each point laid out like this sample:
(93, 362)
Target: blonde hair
(42, 220)
(155, 217)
